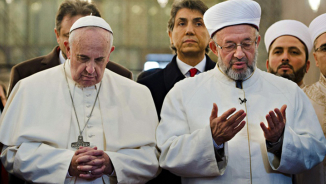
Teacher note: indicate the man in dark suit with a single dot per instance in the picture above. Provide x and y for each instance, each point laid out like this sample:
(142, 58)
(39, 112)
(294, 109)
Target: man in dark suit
(189, 39)
(69, 11)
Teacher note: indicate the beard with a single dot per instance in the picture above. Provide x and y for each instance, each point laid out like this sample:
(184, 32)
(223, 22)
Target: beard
(238, 74)
(295, 76)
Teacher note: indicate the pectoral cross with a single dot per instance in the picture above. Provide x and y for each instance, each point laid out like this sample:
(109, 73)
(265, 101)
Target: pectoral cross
(80, 142)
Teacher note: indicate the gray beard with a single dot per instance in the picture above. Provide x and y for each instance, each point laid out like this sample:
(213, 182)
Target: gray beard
(238, 75)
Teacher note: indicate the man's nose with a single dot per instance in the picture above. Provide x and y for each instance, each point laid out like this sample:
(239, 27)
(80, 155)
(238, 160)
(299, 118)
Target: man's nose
(285, 57)
(90, 67)
(190, 29)
(239, 52)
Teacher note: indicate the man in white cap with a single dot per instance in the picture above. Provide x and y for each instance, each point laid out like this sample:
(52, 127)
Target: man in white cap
(265, 141)
(288, 45)
(79, 122)
(317, 94)
(189, 39)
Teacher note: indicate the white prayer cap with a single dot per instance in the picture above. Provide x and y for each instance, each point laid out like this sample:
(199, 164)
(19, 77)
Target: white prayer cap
(91, 21)
(317, 26)
(290, 28)
(232, 12)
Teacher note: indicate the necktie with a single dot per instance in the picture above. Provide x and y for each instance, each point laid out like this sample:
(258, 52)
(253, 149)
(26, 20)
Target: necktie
(193, 72)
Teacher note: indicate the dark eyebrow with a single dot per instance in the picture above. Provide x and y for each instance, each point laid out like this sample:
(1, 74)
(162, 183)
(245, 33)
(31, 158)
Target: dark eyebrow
(183, 19)
(197, 19)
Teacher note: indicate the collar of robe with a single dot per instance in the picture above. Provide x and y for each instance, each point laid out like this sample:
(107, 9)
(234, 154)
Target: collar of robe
(73, 104)
(238, 83)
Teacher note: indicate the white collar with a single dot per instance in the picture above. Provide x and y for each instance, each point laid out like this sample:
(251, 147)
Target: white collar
(61, 58)
(184, 68)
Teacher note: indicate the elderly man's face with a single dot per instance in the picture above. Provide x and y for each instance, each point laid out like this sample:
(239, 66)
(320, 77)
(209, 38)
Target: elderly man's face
(320, 55)
(287, 58)
(189, 34)
(239, 63)
(63, 34)
(89, 54)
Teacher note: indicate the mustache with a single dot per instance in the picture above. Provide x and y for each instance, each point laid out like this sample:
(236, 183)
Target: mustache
(285, 64)
(245, 60)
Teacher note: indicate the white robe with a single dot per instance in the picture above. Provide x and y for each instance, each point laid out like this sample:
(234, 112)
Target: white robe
(36, 126)
(184, 134)
(317, 95)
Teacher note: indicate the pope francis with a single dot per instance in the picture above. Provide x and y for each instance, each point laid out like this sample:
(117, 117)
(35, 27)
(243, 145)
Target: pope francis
(261, 129)
(79, 122)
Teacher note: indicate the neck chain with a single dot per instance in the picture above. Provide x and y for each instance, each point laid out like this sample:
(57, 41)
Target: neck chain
(80, 141)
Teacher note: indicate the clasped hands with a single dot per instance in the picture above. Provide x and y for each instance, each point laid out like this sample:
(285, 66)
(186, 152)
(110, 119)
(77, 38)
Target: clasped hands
(90, 163)
(226, 126)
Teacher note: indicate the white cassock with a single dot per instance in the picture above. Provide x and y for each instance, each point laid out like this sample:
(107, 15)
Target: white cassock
(38, 126)
(184, 134)
(317, 95)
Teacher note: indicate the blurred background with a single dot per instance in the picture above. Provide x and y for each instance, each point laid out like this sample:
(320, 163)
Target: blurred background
(140, 30)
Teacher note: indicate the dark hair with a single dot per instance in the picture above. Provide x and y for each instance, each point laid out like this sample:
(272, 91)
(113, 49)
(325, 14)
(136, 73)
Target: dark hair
(190, 4)
(305, 48)
(73, 8)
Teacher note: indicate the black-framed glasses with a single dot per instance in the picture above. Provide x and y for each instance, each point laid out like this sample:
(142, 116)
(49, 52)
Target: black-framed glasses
(229, 47)
(322, 48)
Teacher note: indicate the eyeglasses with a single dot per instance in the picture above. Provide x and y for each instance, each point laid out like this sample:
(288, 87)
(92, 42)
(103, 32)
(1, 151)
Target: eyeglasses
(229, 47)
(321, 48)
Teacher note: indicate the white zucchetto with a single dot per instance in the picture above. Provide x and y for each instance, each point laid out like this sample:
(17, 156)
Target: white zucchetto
(91, 21)
(317, 27)
(288, 28)
(232, 12)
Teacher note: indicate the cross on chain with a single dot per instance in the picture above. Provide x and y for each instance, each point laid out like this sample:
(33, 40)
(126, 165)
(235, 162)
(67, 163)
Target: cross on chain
(80, 142)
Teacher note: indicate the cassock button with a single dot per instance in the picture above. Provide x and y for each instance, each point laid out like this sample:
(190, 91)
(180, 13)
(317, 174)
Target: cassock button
(89, 126)
(88, 105)
(88, 116)
(90, 135)
(88, 95)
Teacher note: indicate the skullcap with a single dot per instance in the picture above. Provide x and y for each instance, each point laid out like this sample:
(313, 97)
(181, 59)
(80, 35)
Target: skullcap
(91, 21)
(232, 12)
(317, 26)
(290, 28)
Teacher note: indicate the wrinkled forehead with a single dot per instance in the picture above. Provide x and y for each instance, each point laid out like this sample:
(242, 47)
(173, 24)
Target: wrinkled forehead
(236, 33)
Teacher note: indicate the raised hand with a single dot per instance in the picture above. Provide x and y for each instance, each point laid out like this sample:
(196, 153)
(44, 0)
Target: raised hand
(276, 122)
(226, 126)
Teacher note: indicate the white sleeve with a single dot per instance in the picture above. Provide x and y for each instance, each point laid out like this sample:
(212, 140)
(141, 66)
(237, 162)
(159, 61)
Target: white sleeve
(137, 165)
(185, 153)
(37, 162)
(304, 143)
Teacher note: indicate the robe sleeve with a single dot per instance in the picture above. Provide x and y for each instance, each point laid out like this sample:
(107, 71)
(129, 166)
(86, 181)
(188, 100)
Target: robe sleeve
(135, 165)
(185, 153)
(37, 162)
(304, 144)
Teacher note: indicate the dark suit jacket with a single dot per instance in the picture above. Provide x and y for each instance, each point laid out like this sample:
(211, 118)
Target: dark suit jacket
(32, 66)
(160, 83)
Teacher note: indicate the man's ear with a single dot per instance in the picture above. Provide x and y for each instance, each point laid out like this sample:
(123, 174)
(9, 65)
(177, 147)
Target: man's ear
(267, 64)
(315, 56)
(66, 43)
(213, 47)
(56, 34)
(170, 36)
(307, 66)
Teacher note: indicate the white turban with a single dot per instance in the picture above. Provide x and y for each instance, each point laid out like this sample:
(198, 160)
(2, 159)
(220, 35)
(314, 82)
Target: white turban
(91, 21)
(317, 26)
(232, 12)
(291, 28)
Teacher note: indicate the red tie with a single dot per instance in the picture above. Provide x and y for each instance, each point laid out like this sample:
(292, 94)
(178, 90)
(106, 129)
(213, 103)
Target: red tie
(193, 72)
